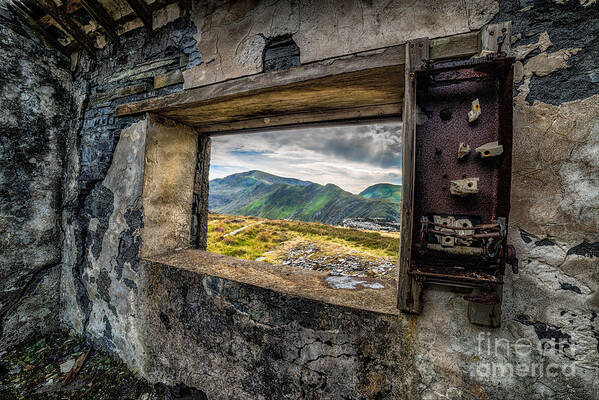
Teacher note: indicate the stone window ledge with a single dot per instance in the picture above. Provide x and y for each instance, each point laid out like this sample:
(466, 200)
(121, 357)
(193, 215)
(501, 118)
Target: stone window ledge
(376, 295)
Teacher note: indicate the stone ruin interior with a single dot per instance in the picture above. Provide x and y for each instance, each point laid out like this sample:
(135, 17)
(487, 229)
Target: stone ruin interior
(109, 109)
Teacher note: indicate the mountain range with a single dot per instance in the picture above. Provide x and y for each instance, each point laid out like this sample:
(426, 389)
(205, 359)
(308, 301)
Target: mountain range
(265, 195)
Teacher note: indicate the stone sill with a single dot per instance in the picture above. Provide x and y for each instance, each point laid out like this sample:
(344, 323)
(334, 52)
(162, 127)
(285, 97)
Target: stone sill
(283, 279)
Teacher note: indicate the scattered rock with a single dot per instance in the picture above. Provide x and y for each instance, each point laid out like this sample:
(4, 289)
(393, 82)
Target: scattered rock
(308, 255)
(348, 282)
(67, 366)
(36, 370)
(372, 224)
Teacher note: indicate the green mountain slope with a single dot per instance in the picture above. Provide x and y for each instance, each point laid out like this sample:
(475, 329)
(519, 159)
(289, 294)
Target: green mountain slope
(259, 194)
(224, 190)
(385, 191)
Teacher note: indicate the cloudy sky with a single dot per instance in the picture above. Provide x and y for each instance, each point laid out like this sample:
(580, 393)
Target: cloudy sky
(352, 157)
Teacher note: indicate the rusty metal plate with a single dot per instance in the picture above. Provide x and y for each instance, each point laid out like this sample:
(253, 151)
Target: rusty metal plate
(445, 95)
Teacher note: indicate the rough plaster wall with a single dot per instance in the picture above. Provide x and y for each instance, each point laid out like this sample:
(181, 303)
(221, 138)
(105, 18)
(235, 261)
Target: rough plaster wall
(34, 124)
(110, 273)
(236, 341)
(232, 35)
(141, 66)
(553, 302)
(168, 185)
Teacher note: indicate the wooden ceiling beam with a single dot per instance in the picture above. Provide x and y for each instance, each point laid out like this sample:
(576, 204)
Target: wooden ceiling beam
(97, 11)
(60, 16)
(21, 11)
(141, 9)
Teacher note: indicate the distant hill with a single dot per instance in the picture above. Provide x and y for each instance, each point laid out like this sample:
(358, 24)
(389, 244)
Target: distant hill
(264, 195)
(385, 191)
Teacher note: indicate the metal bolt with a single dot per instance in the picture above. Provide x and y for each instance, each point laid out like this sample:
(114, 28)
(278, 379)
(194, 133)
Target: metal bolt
(492, 33)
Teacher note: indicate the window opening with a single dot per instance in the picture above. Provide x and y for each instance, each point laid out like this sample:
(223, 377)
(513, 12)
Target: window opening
(325, 199)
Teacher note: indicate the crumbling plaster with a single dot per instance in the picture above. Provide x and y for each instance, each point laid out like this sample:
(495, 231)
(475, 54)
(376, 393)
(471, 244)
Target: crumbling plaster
(231, 36)
(35, 104)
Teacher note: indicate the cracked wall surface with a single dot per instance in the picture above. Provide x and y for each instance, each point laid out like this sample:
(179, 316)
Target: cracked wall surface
(228, 339)
(233, 340)
(232, 36)
(34, 124)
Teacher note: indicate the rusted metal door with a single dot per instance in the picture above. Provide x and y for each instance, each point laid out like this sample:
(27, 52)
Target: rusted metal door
(459, 129)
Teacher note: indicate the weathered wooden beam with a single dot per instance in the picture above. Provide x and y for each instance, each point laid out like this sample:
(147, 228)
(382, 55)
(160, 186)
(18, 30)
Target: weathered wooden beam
(463, 45)
(97, 11)
(456, 46)
(61, 18)
(346, 115)
(409, 289)
(377, 86)
(141, 9)
(199, 209)
(268, 81)
(21, 11)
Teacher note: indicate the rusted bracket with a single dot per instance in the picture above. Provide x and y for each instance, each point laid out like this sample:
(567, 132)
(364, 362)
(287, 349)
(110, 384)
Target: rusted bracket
(496, 38)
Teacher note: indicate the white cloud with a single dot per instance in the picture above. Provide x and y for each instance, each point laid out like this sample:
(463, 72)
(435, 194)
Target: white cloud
(352, 157)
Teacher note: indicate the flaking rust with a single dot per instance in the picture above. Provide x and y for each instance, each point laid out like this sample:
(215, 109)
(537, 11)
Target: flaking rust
(461, 201)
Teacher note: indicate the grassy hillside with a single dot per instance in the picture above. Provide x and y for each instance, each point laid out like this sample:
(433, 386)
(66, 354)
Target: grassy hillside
(384, 191)
(321, 246)
(259, 194)
(224, 190)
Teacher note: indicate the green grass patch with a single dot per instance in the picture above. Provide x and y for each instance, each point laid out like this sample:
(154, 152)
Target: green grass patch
(254, 241)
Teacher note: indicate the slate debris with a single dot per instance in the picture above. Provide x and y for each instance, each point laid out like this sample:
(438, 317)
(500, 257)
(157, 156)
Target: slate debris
(309, 256)
(37, 370)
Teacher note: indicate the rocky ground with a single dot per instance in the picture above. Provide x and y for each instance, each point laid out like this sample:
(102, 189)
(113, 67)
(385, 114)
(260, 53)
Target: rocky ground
(372, 224)
(340, 251)
(46, 368)
(335, 259)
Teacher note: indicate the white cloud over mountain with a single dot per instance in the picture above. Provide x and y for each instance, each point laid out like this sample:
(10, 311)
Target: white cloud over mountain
(352, 157)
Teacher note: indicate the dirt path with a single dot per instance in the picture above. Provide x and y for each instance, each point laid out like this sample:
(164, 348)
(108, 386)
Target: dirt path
(235, 232)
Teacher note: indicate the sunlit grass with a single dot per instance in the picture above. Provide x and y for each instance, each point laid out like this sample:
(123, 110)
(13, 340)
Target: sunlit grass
(258, 239)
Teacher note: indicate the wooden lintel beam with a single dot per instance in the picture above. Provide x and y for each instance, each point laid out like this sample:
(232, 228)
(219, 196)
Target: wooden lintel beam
(97, 11)
(463, 45)
(61, 18)
(321, 118)
(141, 9)
(22, 13)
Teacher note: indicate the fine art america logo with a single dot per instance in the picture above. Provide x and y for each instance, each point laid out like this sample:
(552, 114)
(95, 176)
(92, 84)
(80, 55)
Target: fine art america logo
(547, 358)
(502, 359)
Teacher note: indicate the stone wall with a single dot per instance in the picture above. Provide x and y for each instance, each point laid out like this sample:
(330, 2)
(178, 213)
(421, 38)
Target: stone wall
(173, 56)
(178, 326)
(236, 341)
(142, 65)
(35, 106)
